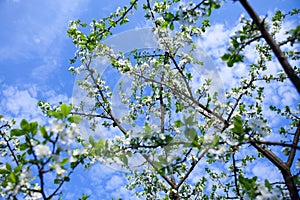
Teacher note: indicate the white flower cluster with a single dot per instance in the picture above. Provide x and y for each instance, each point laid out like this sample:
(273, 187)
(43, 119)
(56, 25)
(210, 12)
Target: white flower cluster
(186, 17)
(71, 133)
(76, 70)
(266, 194)
(67, 135)
(23, 183)
(4, 122)
(161, 7)
(185, 59)
(34, 195)
(42, 151)
(44, 106)
(258, 126)
(59, 170)
(78, 152)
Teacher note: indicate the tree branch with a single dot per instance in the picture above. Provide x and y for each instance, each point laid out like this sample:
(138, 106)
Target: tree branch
(293, 150)
(294, 146)
(147, 157)
(283, 167)
(274, 46)
(191, 168)
(235, 177)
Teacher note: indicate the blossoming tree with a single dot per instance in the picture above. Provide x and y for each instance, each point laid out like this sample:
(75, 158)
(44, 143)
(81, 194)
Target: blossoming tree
(176, 135)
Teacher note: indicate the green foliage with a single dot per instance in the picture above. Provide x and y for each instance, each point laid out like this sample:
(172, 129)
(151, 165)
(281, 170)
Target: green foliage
(237, 125)
(249, 185)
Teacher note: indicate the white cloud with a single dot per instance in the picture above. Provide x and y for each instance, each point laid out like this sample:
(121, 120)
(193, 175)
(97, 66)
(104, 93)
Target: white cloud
(44, 71)
(21, 102)
(114, 183)
(264, 170)
(38, 28)
(18, 103)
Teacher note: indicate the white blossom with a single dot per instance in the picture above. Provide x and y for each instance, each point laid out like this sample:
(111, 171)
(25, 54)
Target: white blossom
(56, 126)
(34, 195)
(266, 194)
(219, 151)
(59, 170)
(258, 125)
(209, 138)
(42, 150)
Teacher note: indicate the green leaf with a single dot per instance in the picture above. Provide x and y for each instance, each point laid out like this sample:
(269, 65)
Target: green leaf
(64, 162)
(55, 114)
(18, 168)
(57, 181)
(172, 26)
(12, 177)
(215, 141)
(43, 132)
(4, 171)
(66, 178)
(84, 197)
(100, 144)
(179, 106)
(268, 184)
(74, 119)
(190, 134)
(24, 146)
(238, 125)
(17, 132)
(92, 140)
(189, 76)
(225, 57)
(65, 110)
(249, 185)
(24, 124)
(178, 123)
(124, 159)
(189, 121)
(33, 126)
(168, 17)
(8, 167)
(147, 128)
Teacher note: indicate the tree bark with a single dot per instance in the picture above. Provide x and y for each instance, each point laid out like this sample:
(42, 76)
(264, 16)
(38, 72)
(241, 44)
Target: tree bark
(274, 46)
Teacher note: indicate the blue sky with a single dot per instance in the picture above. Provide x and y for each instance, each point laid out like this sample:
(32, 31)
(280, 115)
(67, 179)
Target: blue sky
(35, 53)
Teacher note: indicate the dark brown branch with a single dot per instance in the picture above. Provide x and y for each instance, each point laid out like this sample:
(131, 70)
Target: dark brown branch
(89, 115)
(237, 103)
(278, 144)
(293, 150)
(108, 111)
(147, 157)
(11, 150)
(273, 45)
(191, 168)
(63, 180)
(120, 19)
(269, 154)
(249, 42)
(235, 177)
(291, 39)
(285, 170)
(198, 5)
